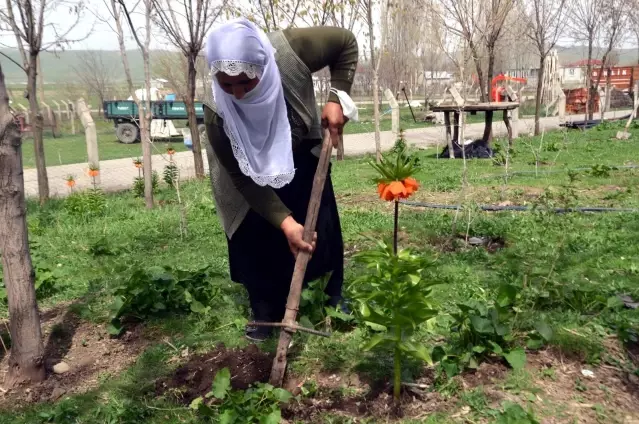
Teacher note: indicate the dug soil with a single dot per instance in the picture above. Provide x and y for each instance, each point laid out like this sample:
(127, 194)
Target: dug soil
(193, 379)
(83, 353)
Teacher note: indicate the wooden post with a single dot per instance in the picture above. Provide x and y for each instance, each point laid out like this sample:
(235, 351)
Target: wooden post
(488, 127)
(58, 111)
(340, 148)
(513, 117)
(293, 302)
(449, 140)
(561, 107)
(394, 111)
(90, 134)
(509, 128)
(49, 112)
(71, 114)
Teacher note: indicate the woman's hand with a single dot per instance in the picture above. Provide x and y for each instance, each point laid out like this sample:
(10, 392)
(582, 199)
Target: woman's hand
(294, 233)
(333, 118)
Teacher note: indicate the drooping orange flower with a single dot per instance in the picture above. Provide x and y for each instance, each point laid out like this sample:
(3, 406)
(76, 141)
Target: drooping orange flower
(411, 185)
(70, 183)
(94, 172)
(396, 190)
(170, 151)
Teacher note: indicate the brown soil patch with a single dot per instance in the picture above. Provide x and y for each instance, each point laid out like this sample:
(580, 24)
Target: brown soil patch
(195, 378)
(347, 396)
(85, 347)
(612, 390)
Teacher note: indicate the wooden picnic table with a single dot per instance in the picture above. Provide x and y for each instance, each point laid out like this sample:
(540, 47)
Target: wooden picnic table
(488, 108)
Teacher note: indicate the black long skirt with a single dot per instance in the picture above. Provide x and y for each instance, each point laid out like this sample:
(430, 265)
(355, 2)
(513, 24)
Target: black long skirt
(259, 255)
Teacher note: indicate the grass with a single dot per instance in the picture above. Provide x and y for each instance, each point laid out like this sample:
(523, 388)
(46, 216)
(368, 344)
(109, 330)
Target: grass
(567, 266)
(68, 148)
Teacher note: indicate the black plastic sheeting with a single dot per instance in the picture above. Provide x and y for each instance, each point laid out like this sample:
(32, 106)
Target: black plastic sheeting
(497, 208)
(478, 149)
(587, 124)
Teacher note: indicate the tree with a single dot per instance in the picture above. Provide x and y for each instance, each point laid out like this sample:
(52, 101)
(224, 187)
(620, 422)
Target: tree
(615, 20)
(26, 363)
(96, 75)
(585, 23)
(368, 6)
(185, 24)
(29, 31)
(598, 22)
(119, 12)
(545, 19)
(480, 23)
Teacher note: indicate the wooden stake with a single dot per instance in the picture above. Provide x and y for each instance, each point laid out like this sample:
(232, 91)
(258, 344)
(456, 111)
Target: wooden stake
(293, 302)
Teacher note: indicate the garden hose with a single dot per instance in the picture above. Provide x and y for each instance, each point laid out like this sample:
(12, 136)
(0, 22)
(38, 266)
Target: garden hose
(497, 208)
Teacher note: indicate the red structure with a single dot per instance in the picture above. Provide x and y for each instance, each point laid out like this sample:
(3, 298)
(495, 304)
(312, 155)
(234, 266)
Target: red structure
(576, 101)
(498, 92)
(621, 77)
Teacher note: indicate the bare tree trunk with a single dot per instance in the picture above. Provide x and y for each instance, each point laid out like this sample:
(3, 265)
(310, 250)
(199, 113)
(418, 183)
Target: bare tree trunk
(589, 96)
(145, 130)
(375, 68)
(540, 85)
(190, 110)
(37, 122)
(491, 71)
(26, 362)
(483, 96)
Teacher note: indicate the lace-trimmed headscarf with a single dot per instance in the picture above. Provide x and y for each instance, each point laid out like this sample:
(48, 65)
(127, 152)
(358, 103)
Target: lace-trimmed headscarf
(257, 125)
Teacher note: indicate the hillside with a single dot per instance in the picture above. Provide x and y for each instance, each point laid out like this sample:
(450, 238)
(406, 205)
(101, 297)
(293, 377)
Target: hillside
(58, 68)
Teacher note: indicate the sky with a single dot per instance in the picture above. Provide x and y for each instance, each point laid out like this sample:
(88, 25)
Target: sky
(101, 35)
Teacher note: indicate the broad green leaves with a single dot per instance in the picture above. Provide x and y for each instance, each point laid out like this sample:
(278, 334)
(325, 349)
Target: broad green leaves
(256, 405)
(394, 299)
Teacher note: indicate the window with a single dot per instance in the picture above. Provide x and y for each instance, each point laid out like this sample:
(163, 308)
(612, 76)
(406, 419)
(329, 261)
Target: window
(571, 71)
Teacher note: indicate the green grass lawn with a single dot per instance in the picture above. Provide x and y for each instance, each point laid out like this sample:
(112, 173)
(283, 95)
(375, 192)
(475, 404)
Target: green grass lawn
(565, 268)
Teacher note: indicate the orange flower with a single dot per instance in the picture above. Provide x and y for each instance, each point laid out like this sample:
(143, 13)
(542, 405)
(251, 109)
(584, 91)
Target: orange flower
(380, 189)
(138, 165)
(70, 183)
(411, 185)
(94, 172)
(393, 191)
(170, 151)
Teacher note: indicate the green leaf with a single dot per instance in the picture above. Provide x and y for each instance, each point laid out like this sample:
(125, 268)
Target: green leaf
(544, 330)
(273, 418)
(481, 325)
(197, 307)
(516, 358)
(374, 341)
(115, 328)
(438, 353)
(227, 417)
(419, 352)
(364, 310)
(534, 343)
(496, 348)
(195, 403)
(506, 295)
(282, 395)
(221, 383)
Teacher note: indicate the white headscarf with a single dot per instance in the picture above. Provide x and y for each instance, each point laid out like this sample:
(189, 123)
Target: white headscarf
(257, 125)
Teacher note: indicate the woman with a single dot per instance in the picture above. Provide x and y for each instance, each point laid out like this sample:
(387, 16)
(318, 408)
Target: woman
(264, 136)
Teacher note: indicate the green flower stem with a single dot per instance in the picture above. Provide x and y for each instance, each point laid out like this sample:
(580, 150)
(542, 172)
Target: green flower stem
(398, 366)
(395, 231)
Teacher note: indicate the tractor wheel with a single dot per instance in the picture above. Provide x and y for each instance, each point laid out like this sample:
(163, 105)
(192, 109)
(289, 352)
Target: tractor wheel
(127, 133)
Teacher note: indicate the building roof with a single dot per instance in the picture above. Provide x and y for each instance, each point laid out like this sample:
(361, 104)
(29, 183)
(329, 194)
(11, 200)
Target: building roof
(583, 62)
